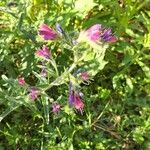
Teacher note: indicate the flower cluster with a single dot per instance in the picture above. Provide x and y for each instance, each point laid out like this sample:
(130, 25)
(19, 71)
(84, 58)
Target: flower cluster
(44, 53)
(96, 33)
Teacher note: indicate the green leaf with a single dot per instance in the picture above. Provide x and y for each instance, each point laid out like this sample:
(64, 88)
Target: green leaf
(46, 107)
(146, 42)
(8, 111)
(84, 6)
(145, 69)
(4, 78)
(129, 87)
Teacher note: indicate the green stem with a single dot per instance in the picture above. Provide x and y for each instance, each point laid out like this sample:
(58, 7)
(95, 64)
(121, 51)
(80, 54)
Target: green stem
(100, 115)
(58, 80)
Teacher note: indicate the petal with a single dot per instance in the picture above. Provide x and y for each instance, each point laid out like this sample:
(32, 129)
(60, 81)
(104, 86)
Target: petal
(44, 27)
(71, 98)
(113, 39)
(78, 104)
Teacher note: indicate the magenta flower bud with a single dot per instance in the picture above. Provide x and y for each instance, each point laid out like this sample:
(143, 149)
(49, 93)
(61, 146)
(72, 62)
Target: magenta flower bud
(85, 76)
(33, 93)
(43, 53)
(44, 72)
(94, 32)
(21, 81)
(78, 104)
(47, 33)
(71, 98)
(55, 108)
(75, 100)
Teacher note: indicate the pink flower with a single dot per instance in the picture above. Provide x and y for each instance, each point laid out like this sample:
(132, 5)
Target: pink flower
(97, 33)
(94, 32)
(21, 81)
(85, 76)
(78, 104)
(47, 33)
(33, 93)
(75, 100)
(43, 53)
(55, 108)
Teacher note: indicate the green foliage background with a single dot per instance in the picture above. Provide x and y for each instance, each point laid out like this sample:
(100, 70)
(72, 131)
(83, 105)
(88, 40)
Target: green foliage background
(117, 112)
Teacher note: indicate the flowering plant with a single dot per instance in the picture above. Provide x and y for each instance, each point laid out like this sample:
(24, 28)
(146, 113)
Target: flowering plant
(89, 49)
(88, 52)
(67, 82)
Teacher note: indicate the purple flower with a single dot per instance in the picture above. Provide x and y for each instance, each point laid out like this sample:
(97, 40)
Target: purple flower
(75, 100)
(47, 33)
(85, 76)
(43, 53)
(97, 33)
(94, 32)
(78, 104)
(107, 36)
(33, 93)
(71, 98)
(55, 108)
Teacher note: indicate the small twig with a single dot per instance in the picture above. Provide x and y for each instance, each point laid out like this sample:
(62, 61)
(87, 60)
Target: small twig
(109, 131)
(100, 115)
